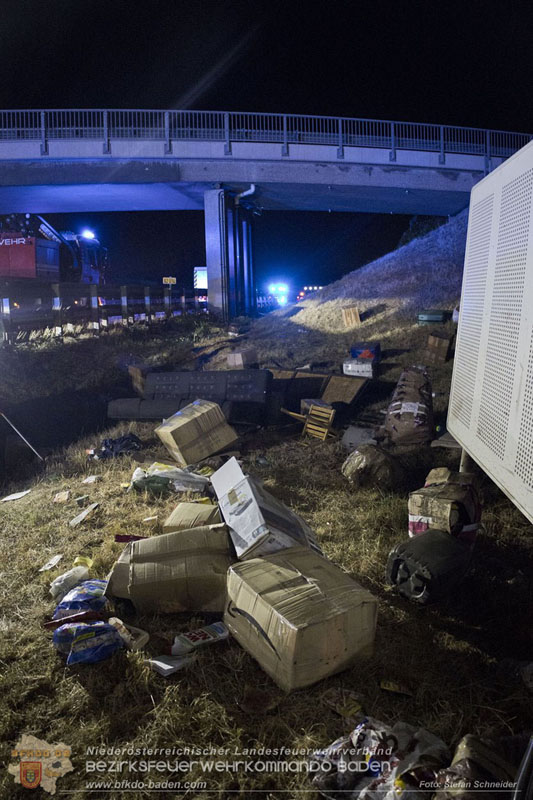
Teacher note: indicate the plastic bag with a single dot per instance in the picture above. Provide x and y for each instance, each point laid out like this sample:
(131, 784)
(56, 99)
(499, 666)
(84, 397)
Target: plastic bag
(88, 596)
(162, 478)
(65, 582)
(87, 643)
(111, 448)
(378, 762)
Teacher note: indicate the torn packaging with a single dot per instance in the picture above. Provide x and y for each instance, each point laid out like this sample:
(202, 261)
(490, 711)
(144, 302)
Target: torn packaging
(197, 431)
(301, 617)
(259, 523)
(175, 572)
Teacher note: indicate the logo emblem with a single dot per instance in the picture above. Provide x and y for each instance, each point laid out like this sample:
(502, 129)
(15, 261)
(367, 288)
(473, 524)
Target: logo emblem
(30, 774)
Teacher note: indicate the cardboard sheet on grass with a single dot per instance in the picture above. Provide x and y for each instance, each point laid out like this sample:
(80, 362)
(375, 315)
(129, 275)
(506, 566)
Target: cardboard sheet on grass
(175, 572)
(197, 431)
(301, 617)
(191, 515)
(259, 524)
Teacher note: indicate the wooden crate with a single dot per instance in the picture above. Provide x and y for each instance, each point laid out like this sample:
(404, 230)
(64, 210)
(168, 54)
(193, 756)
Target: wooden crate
(351, 317)
(318, 422)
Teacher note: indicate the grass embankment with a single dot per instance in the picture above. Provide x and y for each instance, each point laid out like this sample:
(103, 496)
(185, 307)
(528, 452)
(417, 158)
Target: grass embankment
(459, 659)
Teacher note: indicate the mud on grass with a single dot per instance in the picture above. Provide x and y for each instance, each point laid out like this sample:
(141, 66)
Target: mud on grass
(454, 658)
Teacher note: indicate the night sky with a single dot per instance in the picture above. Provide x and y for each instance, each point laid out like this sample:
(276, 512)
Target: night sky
(464, 63)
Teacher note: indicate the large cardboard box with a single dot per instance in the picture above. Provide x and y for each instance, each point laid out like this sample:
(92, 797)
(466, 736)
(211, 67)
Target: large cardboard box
(449, 502)
(197, 431)
(301, 617)
(259, 524)
(191, 515)
(175, 572)
(438, 348)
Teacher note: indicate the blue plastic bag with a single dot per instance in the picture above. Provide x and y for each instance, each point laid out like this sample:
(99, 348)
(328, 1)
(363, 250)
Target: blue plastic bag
(87, 642)
(88, 596)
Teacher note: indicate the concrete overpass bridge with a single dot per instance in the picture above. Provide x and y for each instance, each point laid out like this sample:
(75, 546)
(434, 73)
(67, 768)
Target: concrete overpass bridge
(234, 165)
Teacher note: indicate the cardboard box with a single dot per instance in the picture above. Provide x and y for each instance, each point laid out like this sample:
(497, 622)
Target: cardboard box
(191, 515)
(351, 316)
(438, 348)
(175, 572)
(197, 431)
(367, 350)
(449, 502)
(301, 617)
(240, 359)
(259, 524)
(359, 368)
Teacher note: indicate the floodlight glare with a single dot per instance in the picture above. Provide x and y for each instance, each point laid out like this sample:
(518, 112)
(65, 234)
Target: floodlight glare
(87, 234)
(282, 300)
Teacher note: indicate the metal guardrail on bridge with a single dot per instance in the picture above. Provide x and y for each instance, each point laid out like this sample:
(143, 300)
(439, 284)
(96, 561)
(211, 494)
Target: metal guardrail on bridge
(224, 126)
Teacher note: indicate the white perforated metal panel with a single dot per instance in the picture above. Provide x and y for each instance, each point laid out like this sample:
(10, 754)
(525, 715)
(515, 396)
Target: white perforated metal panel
(491, 402)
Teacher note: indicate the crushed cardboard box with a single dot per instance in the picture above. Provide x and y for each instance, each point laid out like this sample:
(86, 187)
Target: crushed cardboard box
(191, 515)
(197, 431)
(259, 524)
(449, 501)
(175, 572)
(300, 616)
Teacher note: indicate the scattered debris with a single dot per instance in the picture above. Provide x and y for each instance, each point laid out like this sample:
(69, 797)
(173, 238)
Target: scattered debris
(351, 317)
(21, 436)
(86, 514)
(375, 760)
(433, 316)
(259, 523)
(149, 521)
(86, 596)
(168, 665)
(65, 582)
(477, 763)
(365, 356)
(186, 643)
(301, 617)
(16, 496)
(62, 497)
(395, 688)
(54, 561)
(343, 701)
(90, 479)
(163, 478)
(128, 537)
(82, 501)
(113, 448)
(83, 561)
(370, 465)
(87, 642)
(133, 638)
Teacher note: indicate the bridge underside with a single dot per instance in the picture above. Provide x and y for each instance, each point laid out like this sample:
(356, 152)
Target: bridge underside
(212, 185)
(82, 197)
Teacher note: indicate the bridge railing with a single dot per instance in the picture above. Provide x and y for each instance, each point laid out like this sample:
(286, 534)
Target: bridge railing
(146, 124)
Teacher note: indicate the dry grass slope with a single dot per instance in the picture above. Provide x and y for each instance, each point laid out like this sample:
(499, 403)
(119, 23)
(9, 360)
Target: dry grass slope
(458, 659)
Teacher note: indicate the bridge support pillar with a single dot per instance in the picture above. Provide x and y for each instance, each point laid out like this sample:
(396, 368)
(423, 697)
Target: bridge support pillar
(228, 246)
